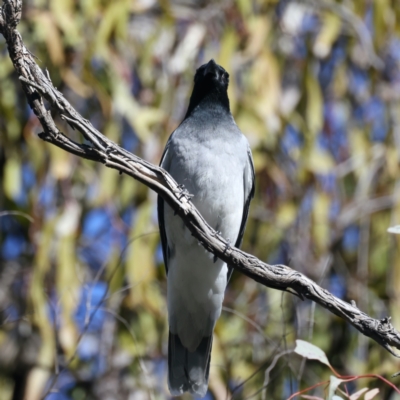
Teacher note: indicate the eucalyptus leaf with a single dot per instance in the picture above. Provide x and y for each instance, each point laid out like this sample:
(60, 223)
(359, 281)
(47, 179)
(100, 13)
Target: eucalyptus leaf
(394, 229)
(311, 352)
(334, 384)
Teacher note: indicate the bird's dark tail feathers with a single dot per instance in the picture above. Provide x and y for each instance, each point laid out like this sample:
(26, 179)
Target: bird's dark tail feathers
(188, 371)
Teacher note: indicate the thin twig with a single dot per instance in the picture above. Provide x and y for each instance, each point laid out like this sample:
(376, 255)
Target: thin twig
(251, 322)
(18, 213)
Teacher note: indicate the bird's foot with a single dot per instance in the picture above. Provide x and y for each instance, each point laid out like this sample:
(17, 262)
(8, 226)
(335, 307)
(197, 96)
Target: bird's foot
(216, 233)
(227, 245)
(183, 192)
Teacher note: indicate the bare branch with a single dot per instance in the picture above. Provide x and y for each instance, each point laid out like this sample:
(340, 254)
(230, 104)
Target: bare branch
(36, 86)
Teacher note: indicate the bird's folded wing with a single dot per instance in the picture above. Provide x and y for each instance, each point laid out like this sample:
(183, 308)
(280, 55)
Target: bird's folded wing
(248, 182)
(160, 210)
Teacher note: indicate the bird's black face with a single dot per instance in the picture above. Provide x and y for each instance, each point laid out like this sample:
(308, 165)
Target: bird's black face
(210, 88)
(212, 74)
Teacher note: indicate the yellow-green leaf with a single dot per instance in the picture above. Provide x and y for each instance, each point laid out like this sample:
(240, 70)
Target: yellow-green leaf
(314, 111)
(12, 178)
(331, 26)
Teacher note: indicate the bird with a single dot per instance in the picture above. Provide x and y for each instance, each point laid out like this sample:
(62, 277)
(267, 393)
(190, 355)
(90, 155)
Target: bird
(210, 157)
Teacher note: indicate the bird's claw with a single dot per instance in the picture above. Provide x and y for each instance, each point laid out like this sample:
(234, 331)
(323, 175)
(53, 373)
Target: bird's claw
(183, 192)
(227, 245)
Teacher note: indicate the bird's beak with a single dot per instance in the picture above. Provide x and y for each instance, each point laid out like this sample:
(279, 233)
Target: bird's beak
(211, 68)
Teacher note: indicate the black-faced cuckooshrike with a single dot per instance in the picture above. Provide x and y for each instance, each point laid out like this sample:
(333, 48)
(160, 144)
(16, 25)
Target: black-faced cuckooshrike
(211, 157)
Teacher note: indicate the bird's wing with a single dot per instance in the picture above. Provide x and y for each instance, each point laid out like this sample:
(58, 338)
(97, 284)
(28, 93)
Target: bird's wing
(248, 182)
(160, 210)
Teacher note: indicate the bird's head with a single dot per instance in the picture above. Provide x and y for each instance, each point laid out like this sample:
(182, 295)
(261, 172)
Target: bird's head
(212, 75)
(210, 88)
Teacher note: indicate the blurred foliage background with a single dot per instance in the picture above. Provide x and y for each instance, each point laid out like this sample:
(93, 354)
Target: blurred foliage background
(315, 86)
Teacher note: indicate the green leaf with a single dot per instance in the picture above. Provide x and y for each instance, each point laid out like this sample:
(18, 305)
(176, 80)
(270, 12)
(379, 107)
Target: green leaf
(12, 178)
(327, 35)
(358, 394)
(394, 229)
(140, 269)
(311, 352)
(319, 161)
(314, 111)
(335, 382)
(371, 394)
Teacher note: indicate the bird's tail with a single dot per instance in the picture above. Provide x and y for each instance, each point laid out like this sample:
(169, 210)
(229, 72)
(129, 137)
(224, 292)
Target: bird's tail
(188, 371)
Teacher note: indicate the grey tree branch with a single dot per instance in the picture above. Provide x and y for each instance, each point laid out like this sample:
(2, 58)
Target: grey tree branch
(38, 86)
